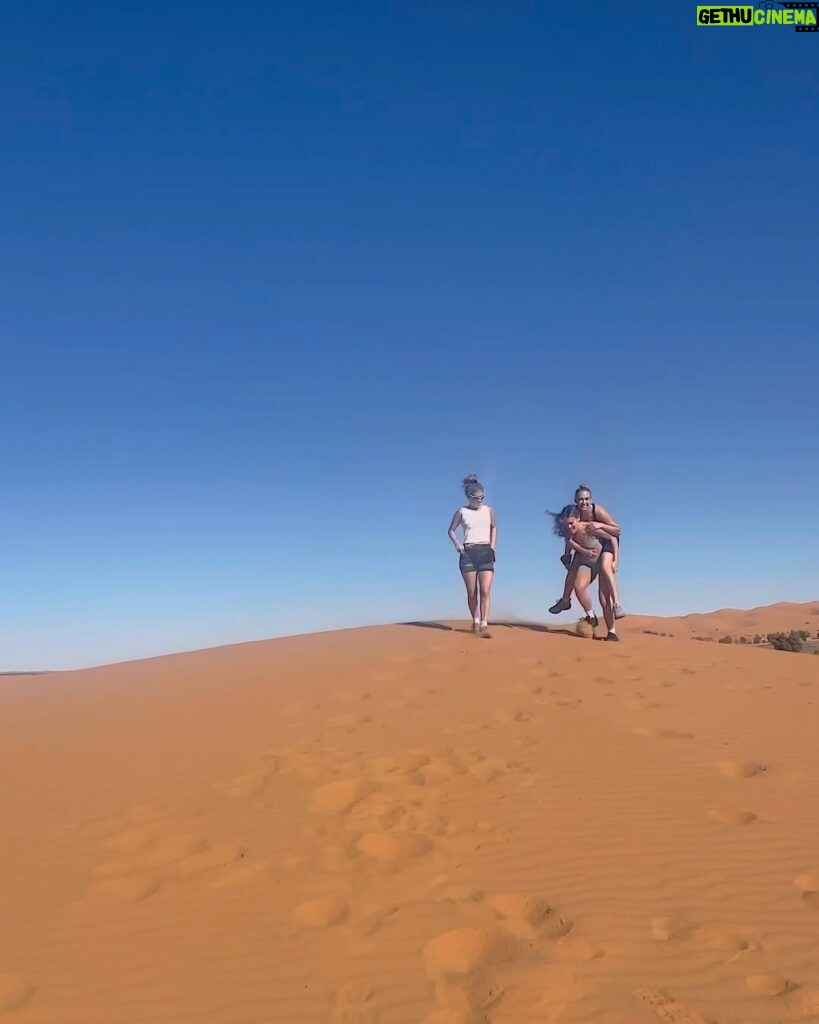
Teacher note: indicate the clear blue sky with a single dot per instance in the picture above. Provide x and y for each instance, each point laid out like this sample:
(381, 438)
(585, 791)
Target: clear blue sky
(274, 277)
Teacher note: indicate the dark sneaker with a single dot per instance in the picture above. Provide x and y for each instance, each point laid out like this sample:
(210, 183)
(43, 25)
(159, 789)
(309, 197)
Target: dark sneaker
(618, 612)
(476, 627)
(592, 621)
(560, 606)
(613, 636)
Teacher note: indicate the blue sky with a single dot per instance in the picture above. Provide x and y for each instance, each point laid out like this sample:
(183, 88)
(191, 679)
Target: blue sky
(274, 277)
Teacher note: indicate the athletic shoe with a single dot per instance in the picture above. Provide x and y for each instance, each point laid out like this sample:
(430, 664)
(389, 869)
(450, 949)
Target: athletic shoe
(618, 612)
(561, 606)
(476, 627)
(592, 621)
(613, 636)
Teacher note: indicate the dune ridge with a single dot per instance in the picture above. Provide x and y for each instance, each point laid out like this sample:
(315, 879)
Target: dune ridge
(411, 825)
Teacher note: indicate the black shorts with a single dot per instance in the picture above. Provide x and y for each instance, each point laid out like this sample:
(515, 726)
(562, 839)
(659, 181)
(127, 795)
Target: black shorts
(477, 558)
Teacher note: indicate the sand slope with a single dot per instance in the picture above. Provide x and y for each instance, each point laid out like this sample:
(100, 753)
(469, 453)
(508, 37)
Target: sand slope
(407, 824)
(736, 622)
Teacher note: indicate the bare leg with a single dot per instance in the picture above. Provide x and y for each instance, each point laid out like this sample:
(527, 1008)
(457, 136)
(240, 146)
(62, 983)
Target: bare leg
(564, 602)
(607, 572)
(581, 588)
(485, 580)
(606, 603)
(607, 575)
(471, 583)
(568, 586)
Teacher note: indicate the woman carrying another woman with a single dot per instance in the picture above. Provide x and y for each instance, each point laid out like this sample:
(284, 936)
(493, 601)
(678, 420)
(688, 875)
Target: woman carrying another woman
(477, 550)
(610, 540)
(588, 541)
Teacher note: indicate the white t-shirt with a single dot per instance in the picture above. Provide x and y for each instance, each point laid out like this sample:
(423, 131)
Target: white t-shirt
(477, 524)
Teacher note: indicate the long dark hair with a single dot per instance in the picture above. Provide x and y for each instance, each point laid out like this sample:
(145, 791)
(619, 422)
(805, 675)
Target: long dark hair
(559, 525)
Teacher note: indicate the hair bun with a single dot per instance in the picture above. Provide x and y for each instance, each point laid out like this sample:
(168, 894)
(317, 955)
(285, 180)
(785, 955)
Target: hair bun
(470, 479)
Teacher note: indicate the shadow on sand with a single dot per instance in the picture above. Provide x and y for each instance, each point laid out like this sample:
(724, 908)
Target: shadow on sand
(534, 627)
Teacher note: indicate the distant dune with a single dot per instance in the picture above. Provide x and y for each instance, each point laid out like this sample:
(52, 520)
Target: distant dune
(412, 825)
(773, 618)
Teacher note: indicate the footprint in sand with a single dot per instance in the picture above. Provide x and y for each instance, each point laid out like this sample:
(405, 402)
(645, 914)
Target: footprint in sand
(485, 769)
(16, 992)
(461, 965)
(348, 722)
(667, 734)
(518, 715)
(767, 984)
(720, 938)
(732, 817)
(352, 1004)
(320, 913)
(464, 950)
(371, 917)
(740, 769)
(668, 1009)
(352, 696)
(528, 915)
(393, 847)
(640, 704)
(253, 785)
(341, 795)
(808, 883)
(111, 893)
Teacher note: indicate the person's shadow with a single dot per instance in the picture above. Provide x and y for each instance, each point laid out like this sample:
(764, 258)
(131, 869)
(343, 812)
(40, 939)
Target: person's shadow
(533, 627)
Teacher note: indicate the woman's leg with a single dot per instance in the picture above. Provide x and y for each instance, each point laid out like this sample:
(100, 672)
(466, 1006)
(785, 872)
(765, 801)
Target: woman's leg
(564, 603)
(471, 583)
(485, 579)
(608, 583)
(581, 589)
(606, 603)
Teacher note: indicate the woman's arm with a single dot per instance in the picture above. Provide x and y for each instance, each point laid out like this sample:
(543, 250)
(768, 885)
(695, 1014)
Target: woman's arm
(453, 526)
(603, 530)
(493, 530)
(604, 519)
(574, 546)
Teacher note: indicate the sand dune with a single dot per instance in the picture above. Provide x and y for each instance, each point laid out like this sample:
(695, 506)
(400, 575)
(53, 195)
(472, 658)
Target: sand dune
(736, 622)
(410, 825)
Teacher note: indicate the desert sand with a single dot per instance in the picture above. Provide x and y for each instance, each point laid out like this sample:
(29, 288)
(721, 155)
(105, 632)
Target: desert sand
(736, 622)
(409, 824)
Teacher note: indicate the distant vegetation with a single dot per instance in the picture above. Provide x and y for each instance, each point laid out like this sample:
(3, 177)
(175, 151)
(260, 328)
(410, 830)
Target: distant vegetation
(793, 641)
(796, 641)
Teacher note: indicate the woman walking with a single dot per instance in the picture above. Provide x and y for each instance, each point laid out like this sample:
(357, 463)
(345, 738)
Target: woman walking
(477, 550)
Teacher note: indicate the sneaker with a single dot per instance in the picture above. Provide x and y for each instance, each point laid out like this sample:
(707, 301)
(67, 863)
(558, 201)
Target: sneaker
(618, 612)
(592, 621)
(476, 627)
(560, 606)
(613, 636)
